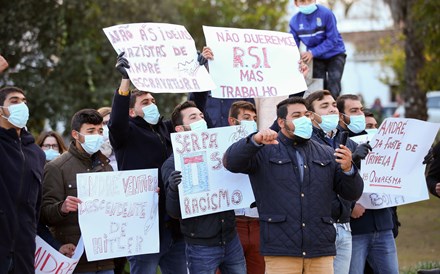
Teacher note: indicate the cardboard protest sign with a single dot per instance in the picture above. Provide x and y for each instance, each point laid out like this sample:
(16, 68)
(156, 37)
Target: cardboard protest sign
(162, 57)
(393, 172)
(49, 260)
(253, 63)
(118, 215)
(207, 187)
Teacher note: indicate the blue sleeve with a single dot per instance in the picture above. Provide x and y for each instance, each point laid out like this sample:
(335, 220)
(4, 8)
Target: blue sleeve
(240, 156)
(331, 33)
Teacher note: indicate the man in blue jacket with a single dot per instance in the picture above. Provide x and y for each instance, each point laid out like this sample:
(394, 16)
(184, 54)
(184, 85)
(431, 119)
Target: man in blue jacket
(372, 229)
(294, 180)
(315, 26)
(21, 173)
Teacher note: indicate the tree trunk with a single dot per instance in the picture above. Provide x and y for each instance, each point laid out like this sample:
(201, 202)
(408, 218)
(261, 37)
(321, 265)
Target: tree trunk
(415, 98)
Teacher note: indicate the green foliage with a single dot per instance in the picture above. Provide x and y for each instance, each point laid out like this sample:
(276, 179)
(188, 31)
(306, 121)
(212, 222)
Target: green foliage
(421, 265)
(60, 56)
(395, 60)
(426, 21)
(427, 26)
(256, 14)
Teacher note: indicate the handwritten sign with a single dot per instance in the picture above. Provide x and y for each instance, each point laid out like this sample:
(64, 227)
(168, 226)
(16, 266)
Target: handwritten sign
(162, 57)
(253, 63)
(395, 164)
(118, 215)
(49, 260)
(207, 187)
(384, 200)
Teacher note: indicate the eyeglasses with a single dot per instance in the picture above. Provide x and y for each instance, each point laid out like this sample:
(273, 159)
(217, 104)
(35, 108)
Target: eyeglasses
(49, 146)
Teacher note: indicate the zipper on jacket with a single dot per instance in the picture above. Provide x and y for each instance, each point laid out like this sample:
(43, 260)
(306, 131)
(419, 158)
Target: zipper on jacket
(161, 140)
(17, 201)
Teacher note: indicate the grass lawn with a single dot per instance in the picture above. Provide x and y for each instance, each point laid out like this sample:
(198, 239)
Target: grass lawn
(419, 235)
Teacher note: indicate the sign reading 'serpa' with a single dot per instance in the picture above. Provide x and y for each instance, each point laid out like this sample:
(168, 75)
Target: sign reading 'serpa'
(162, 57)
(207, 187)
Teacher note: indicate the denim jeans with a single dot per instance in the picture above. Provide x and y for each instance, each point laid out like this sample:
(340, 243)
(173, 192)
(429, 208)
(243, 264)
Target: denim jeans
(341, 264)
(110, 271)
(170, 259)
(330, 70)
(378, 248)
(206, 259)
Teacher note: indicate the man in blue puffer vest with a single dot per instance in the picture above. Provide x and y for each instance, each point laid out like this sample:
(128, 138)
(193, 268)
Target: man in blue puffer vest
(294, 180)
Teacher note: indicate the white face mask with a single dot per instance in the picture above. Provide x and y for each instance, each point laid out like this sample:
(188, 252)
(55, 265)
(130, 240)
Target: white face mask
(18, 115)
(92, 143)
(329, 122)
(151, 114)
(199, 125)
(250, 125)
(51, 154)
(371, 131)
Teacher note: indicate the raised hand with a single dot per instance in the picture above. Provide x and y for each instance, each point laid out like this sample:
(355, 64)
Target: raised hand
(122, 65)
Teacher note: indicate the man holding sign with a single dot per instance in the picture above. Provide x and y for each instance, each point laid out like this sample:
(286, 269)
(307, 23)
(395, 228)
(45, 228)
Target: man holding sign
(211, 240)
(60, 203)
(372, 229)
(141, 140)
(294, 180)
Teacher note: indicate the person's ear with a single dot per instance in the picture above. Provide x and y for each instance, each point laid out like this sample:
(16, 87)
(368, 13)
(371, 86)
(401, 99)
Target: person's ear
(232, 121)
(74, 134)
(179, 128)
(132, 112)
(281, 122)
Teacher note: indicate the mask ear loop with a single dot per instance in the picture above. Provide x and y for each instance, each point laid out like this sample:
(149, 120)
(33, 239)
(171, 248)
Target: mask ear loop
(3, 112)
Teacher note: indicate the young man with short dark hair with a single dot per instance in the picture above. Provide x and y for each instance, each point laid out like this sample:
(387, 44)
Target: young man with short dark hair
(211, 240)
(60, 202)
(21, 174)
(294, 180)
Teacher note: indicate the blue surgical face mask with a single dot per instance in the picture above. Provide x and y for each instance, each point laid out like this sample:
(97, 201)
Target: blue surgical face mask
(357, 123)
(199, 125)
(18, 115)
(92, 143)
(308, 9)
(329, 122)
(371, 131)
(51, 154)
(250, 125)
(151, 114)
(303, 127)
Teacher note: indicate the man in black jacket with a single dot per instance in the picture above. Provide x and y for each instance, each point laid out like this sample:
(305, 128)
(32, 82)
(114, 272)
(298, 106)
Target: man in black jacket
(372, 229)
(326, 132)
(211, 240)
(141, 140)
(21, 173)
